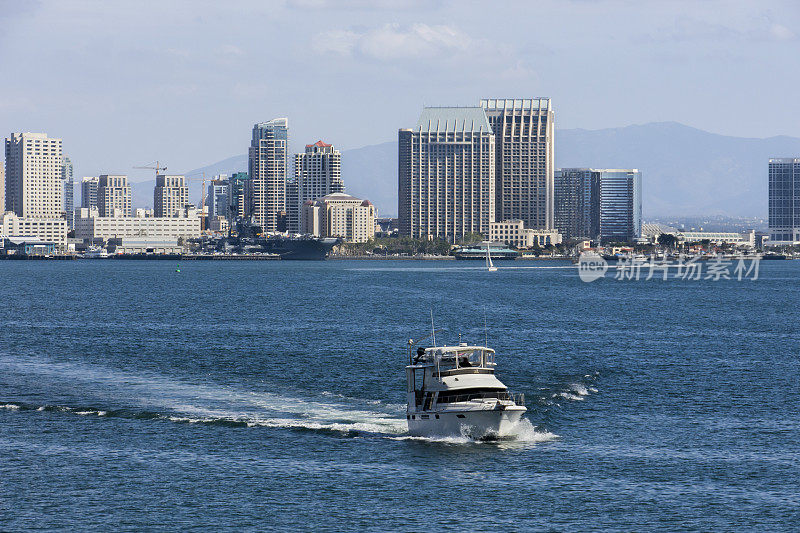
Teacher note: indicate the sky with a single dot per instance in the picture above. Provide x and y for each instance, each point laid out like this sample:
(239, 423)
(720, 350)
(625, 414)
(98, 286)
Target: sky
(127, 83)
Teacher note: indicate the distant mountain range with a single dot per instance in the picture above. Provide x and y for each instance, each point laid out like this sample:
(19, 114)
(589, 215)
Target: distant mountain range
(685, 171)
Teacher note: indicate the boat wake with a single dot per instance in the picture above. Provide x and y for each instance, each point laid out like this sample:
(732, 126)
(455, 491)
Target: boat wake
(110, 393)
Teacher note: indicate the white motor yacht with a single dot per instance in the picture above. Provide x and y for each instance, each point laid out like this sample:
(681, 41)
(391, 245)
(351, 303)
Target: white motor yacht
(96, 252)
(452, 391)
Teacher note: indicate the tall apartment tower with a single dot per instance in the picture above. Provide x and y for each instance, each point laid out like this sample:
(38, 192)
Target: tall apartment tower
(317, 173)
(268, 165)
(170, 196)
(784, 201)
(617, 204)
(33, 176)
(89, 191)
(573, 202)
(524, 139)
(68, 203)
(218, 198)
(2, 187)
(240, 194)
(113, 196)
(446, 174)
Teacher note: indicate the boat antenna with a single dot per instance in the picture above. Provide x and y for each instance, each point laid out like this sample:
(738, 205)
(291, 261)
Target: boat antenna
(485, 328)
(433, 331)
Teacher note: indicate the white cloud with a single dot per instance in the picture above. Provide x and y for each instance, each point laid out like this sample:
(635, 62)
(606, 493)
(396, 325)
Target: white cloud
(392, 41)
(782, 33)
(231, 50)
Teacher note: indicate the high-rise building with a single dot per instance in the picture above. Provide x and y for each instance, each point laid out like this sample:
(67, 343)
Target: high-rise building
(68, 204)
(89, 191)
(2, 187)
(33, 175)
(218, 199)
(524, 132)
(446, 174)
(784, 201)
(268, 171)
(240, 195)
(339, 215)
(170, 196)
(573, 202)
(317, 173)
(113, 196)
(617, 204)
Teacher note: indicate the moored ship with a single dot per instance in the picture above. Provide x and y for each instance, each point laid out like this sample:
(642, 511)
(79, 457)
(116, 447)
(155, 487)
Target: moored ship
(299, 247)
(479, 252)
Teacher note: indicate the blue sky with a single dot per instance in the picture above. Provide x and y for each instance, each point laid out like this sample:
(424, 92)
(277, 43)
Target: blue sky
(126, 83)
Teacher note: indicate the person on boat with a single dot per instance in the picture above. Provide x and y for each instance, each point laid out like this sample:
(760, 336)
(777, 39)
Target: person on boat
(464, 361)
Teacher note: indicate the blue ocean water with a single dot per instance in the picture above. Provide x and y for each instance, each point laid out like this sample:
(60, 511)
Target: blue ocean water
(269, 395)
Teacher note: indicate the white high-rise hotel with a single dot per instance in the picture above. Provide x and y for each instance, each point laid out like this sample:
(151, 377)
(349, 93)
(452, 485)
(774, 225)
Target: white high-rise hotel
(34, 188)
(113, 196)
(446, 174)
(317, 173)
(524, 131)
(267, 164)
(170, 196)
(462, 168)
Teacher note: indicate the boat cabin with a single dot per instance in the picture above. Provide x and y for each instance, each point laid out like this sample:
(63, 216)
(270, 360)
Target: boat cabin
(449, 374)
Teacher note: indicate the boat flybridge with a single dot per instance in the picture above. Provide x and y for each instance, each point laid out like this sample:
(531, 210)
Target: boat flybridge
(452, 391)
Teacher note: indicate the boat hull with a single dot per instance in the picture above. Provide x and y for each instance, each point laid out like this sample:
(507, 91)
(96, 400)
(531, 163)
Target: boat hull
(475, 424)
(303, 249)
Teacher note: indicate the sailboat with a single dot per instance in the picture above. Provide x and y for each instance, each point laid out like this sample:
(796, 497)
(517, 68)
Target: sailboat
(489, 265)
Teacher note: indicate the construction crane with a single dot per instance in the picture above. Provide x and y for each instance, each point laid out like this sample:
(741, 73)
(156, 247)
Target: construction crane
(158, 168)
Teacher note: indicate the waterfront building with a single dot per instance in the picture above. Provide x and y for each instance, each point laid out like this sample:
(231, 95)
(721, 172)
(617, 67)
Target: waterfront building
(784, 201)
(146, 246)
(599, 203)
(573, 202)
(113, 196)
(267, 161)
(218, 198)
(219, 225)
(89, 191)
(524, 131)
(240, 195)
(26, 246)
(2, 186)
(339, 215)
(68, 203)
(446, 174)
(90, 226)
(46, 229)
(617, 204)
(514, 233)
(33, 187)
(317, 173)
(293, 206)
(170, 196)
(717, 237)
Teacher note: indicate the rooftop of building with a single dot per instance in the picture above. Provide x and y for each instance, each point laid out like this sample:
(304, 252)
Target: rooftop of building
(541, 102)
(319, 144)
(453, 119)
(338, 197)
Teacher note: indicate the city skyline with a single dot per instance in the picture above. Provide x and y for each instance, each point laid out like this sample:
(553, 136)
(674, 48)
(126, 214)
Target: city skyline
(727, 53)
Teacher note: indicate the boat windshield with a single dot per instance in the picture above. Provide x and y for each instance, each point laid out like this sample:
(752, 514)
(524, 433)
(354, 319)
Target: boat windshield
(469, 357)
